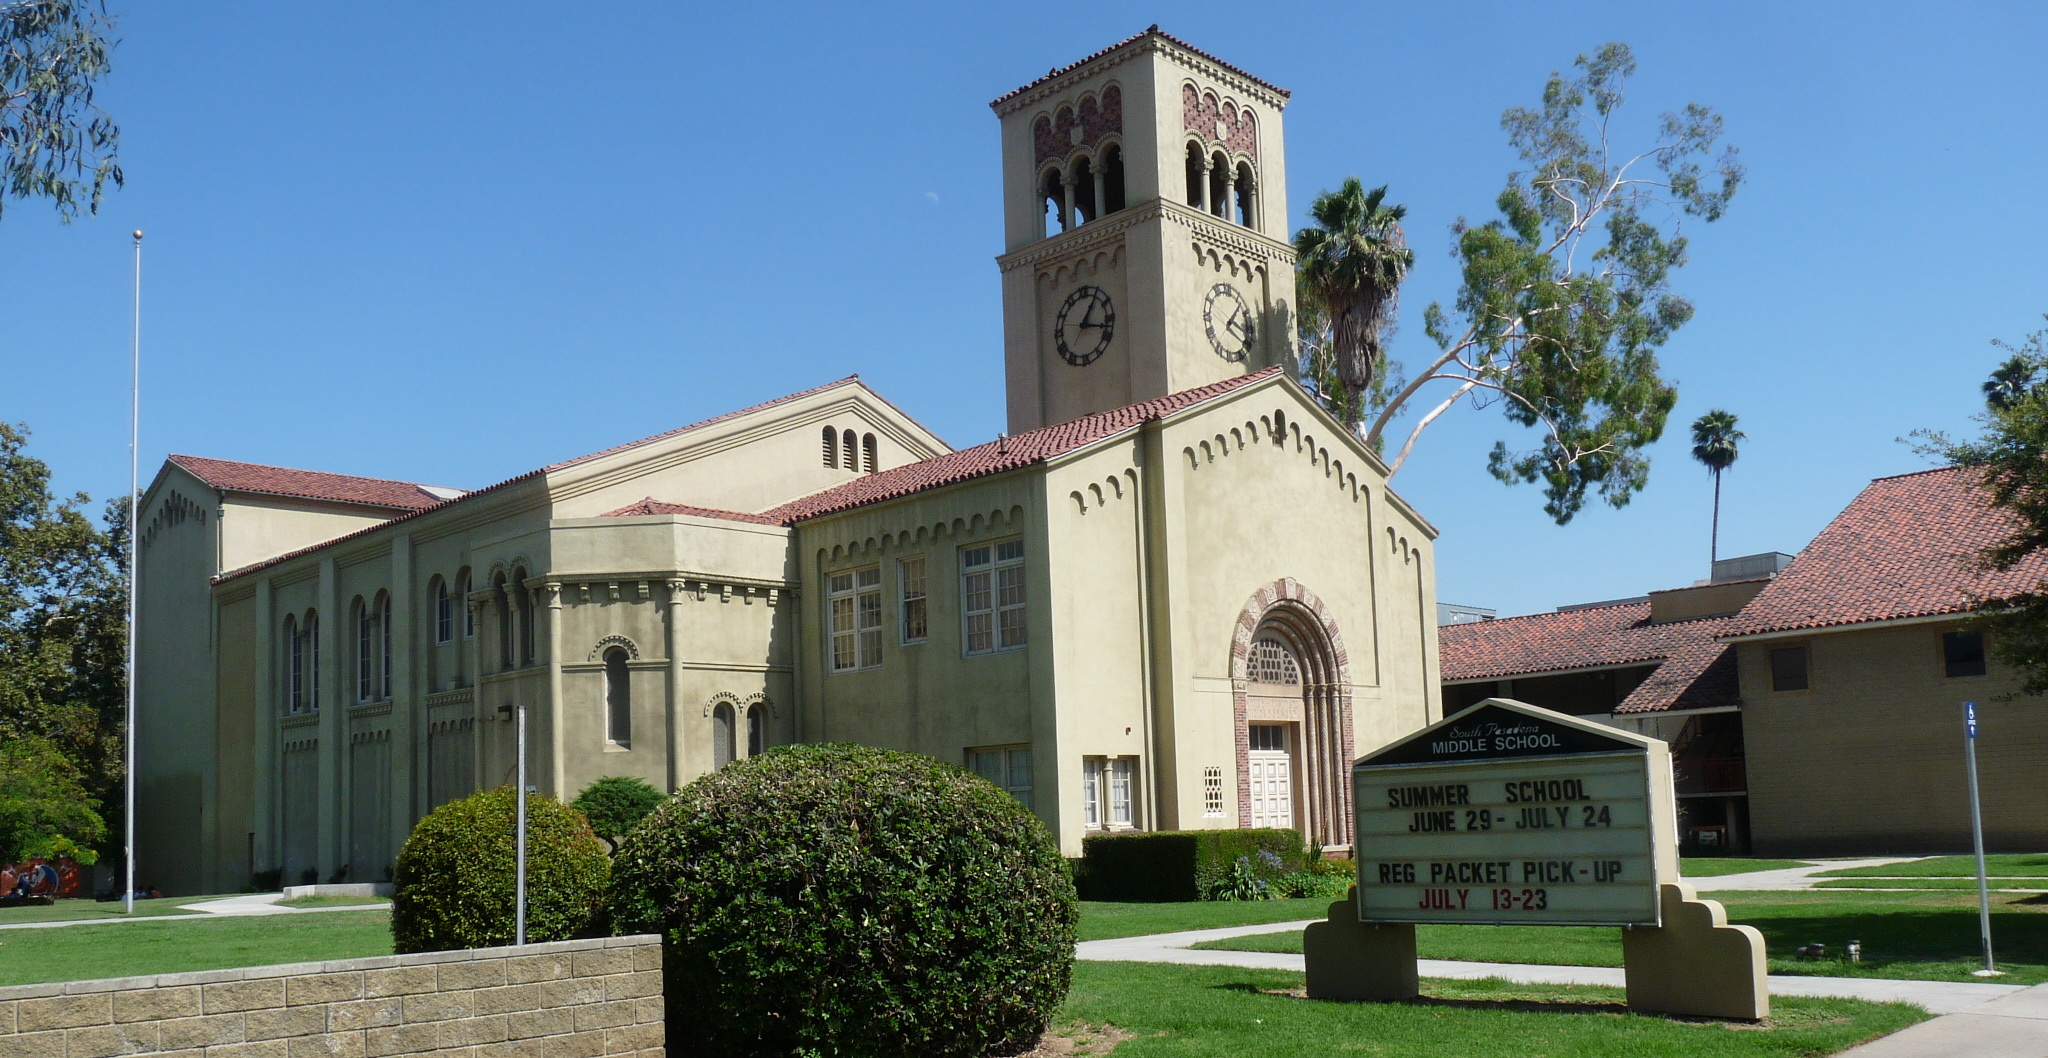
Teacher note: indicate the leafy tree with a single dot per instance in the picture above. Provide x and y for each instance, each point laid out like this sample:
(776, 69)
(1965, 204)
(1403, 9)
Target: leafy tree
(616, 804)
(2010, 458)
(1350, 265)
(1564, 299)
(54, 143)
(45, 810)
(63, 602)
(1714, 443)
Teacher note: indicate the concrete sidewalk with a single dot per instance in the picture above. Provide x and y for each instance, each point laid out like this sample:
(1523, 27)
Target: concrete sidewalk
(2011, 1026)
(207, 910)
(1936, 997)
(1788, 878)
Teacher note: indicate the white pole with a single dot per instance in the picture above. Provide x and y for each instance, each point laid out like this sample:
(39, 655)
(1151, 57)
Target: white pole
(519, 855)
(1977, 842)
(134, 502)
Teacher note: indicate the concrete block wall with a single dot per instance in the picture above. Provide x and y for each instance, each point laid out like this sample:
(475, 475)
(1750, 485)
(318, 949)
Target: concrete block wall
(571, 999)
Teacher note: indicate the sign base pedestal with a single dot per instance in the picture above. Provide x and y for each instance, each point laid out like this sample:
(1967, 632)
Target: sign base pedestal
(1351, 960)
(1696, 964)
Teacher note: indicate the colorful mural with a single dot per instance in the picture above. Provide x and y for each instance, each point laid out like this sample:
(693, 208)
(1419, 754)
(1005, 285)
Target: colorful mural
(40, 880)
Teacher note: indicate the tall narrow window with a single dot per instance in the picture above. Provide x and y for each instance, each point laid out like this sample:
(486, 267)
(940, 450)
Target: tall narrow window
(618, 698)
(850, 451)
(462, 599)
(1113, 179)
(384, 646)
(1219, 186)
(366, 651)
(524, 599)
(910, 583)
(992, 596)
(867, 454)
(831, 448)
(757, 730)
(1198, 178)
(1212, 793)
(1120, 792)
(444, 613)
(854, 613)
(295, 666)
(503, 604)
(1091, 792)
(311, 632)
(1247, 207)
(721, 735)
(1009, 767)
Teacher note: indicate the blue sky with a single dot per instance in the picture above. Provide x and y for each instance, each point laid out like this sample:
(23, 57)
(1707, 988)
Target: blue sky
(452, 242)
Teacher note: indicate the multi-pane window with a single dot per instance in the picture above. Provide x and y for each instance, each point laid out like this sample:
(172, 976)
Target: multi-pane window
(854, 610)
(618, 698)
(992, 596)
(1212, 792)
(295, 666)
(366, 653)
(910, 583)
(1007, 766)
(311, 633)
(384, 647)
(1106, 792)
(1962, 654)
(444, 613)
(1788, 669)
(462, 599)
(1272, 662)
(1120, 770)
(1091, 792)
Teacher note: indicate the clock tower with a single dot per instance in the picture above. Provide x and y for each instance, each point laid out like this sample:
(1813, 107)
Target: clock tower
(1145, 219)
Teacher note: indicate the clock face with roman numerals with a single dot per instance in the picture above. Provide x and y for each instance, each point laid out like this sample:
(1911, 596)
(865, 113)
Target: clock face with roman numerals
(1229, 321)
(1085, 325)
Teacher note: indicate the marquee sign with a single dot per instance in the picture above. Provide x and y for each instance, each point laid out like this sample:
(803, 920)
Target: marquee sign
(1508, 813)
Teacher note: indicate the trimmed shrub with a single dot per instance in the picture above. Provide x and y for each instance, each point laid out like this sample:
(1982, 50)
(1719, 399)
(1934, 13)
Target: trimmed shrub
(836, 899)
(455, 875)
(1176, 865)
(616, 804)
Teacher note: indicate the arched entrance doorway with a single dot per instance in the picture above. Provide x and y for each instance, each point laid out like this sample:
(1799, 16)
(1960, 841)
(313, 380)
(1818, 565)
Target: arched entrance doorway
(1291, 682)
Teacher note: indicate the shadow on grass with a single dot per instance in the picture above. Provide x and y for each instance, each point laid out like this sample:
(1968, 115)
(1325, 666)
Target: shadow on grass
(1918, 935)
(1527, 1006)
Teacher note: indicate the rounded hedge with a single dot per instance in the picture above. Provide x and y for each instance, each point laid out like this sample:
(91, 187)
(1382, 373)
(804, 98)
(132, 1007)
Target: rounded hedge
(455, 875)
(837, 899)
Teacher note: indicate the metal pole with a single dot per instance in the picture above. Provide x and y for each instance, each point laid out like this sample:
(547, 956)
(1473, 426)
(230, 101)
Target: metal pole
(519, 868)
(134, 502)
(1977, 841)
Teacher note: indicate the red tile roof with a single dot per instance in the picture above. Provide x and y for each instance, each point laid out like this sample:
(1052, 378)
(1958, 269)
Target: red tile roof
(310, 484)
(650, 505)
(1900, 550)
(1693, 670)
(1153, 31)
(1010, 453)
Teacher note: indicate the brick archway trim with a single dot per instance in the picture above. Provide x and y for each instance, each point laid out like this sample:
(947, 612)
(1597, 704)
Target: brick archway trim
(1292, 594)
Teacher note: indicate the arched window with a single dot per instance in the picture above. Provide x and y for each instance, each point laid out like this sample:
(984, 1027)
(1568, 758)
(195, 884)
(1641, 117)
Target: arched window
(721, 735)
(383, 646)
(618, 698)
(504, 608)
(850, 458)
(1112, 179)
(1219, 185)
(1272, 662)
(831, 448)
(366, 649)
(523, 598)
(444, 612)
(462, 600)
(294, 666)
(1083, 182)
(1198, 177)
(310, 631)
(757, 730)
(1247, 206)
(1054, 192)
(867, 454)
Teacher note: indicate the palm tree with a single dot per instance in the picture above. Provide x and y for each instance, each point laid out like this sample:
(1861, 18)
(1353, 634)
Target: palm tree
(1714, 440)
(1352, 261)
(2013, 379)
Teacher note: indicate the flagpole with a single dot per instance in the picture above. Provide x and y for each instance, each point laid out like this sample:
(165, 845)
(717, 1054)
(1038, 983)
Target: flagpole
(134, 503)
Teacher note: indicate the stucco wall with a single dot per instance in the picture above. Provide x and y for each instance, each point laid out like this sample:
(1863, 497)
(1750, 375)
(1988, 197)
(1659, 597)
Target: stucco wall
(1870, 759)
(175, 628)
(573, 999)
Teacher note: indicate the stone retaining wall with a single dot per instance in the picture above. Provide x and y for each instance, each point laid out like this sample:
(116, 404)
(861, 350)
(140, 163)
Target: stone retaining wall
(572, 999)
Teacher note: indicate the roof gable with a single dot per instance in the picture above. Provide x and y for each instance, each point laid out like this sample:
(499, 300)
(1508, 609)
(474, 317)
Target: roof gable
(230, 476)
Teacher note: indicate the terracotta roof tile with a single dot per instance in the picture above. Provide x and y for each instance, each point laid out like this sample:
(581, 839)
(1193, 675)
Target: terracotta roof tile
(1011, 453)
(1899, 550)
(314, 484)
(650, 505)
(1693, 670)
(1153, 31)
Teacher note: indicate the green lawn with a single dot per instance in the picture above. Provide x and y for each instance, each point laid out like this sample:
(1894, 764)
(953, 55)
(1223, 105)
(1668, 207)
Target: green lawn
(1103, 921)
(1716, 866)
(1191, 1011)
(1996, 883)
(1906, 936)
(76, 953)
(336, 901)
(81, 910)
(2008, 865)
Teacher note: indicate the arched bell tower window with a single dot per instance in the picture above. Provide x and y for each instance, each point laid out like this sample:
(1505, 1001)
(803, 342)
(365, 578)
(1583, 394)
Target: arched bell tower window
(1112, 179)
(867, 454)
(1198, 177)
(618, 698)
(1219, 185)
(1053, 198)
(851, 451)
(831, 448)
(1247, 207)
